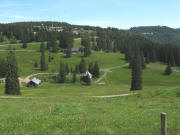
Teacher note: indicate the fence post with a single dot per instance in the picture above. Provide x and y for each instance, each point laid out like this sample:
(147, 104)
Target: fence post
(163, 124)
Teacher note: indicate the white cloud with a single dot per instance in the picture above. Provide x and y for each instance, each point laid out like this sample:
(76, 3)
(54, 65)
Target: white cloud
(18, 17)
(13, 5)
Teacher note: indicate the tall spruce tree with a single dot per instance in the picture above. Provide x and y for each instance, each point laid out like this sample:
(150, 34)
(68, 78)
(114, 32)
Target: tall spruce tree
(171, 60)
(68, 51)
(91, 67)
(24, 45)
(128, 53)
(42, 47)
(54, 45)
(147, 59)
(74, 77)
(87, 80)
(12, 82)
(96, 72)
(48, 46)
(136, 82)
(168, 70)
(67, 69)
(77, 69)
(86, 44)
(62, 73)
(66, 42)
(1, 37)
(153, 55)
(82, 66)
(35, 64)
(109, 47)
(3, 67)
(43, 59)
(142, 60)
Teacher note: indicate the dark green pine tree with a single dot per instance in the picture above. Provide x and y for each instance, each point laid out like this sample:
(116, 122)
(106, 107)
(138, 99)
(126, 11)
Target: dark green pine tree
(171, 60)
(130, 62)
(99, 43)
(49, 59)
(82, 66)
(12, 82)
(68, 52)
(42, 47)
(35, 64)
(3, 67)
(24, 45)
(74, 77)
(96, 72)
(67, 68)
(43, 59)
(87, 80)
(143, 61)
(147, 59)
(77, 69)
(109, 47)
(48, 46)
(94, 46)
(115, 46)
(54, 46)
(153, 55)
(128, 53)
(86, 44)
(1, 37)
(13, 39)
(136, 82)
(66, 42)
(168, 70)
(91, 67)
(62, 73)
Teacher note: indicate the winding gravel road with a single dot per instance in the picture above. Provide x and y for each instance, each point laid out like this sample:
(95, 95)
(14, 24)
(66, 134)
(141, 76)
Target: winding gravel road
(108, 70)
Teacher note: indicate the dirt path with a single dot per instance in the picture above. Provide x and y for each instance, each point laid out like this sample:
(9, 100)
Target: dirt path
(20, 50)
(108, 96)
(108, 70)
(111, 96)
(27, 79)
(4, 45)
(11, 97)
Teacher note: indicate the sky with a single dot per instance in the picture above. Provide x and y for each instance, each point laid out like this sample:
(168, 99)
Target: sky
(122, 14)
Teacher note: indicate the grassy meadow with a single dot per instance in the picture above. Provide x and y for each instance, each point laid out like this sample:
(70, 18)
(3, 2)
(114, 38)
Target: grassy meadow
(69, 109)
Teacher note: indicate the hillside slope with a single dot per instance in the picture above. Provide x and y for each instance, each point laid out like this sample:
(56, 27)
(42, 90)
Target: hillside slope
(160, 34)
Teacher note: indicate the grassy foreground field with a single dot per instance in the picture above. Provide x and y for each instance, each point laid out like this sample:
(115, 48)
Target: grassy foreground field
(68, 109)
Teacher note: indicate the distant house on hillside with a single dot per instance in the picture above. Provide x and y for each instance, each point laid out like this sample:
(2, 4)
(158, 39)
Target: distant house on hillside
(76, 31)
(148, 33)
(60, 29)
(75, 50)
(34, 82)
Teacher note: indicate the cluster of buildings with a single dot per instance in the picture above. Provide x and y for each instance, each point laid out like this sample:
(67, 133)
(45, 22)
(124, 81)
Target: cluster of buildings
(36, 82)
(75, 31)
(148, 33)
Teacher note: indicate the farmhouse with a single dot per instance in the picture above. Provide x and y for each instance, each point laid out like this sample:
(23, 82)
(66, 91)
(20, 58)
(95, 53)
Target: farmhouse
(87, 73)
(34, 82)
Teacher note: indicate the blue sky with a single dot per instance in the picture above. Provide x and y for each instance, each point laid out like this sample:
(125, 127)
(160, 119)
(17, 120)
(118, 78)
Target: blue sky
(114, 13)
